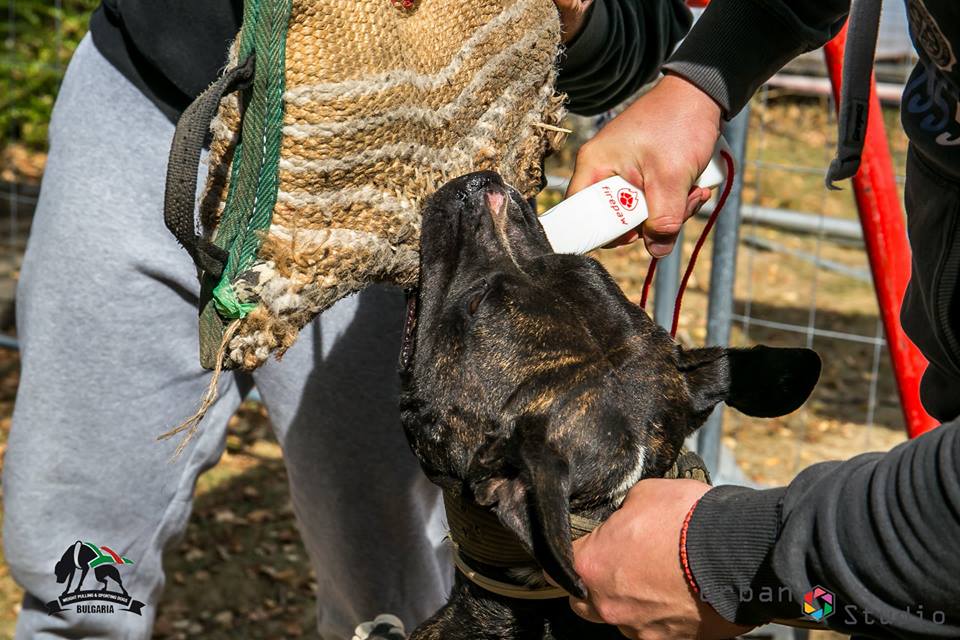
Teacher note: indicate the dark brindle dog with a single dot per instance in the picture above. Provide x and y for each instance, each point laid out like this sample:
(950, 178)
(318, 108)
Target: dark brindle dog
(534, 389)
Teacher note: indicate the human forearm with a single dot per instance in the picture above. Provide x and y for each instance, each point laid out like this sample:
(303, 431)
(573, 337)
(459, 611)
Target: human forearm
(620, 47)
(879, 531)
(737, 45)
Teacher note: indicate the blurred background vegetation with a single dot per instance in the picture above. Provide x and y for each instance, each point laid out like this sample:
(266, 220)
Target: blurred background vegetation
(38, 37)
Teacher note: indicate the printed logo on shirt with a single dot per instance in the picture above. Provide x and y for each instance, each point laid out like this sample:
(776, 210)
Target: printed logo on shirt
(76, 562)
(818, 604)
(929, 35)
(930, 110)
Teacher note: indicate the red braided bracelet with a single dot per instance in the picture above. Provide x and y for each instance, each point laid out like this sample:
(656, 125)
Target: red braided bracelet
(684, 560)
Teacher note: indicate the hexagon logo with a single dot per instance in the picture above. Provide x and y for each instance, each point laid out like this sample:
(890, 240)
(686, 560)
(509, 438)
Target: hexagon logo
(818, 604)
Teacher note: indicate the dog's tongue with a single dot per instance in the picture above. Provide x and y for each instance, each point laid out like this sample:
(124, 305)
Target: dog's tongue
(409, 329)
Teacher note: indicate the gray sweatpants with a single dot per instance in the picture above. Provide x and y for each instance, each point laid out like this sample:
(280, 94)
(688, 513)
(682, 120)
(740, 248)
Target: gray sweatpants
(106, 313)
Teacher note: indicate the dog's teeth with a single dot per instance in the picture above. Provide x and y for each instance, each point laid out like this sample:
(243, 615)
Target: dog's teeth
(362, 632)
(392, 620)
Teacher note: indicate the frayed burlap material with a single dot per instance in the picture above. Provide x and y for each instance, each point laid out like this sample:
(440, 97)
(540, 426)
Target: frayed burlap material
(358, 110)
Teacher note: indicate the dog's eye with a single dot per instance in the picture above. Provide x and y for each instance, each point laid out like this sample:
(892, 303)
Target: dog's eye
(473, 302)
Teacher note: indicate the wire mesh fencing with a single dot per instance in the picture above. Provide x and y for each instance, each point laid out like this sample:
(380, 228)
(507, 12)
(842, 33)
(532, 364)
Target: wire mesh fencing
(803, 279)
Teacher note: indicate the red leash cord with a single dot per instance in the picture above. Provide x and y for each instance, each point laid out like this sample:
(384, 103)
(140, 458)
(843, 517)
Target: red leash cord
(727, 187)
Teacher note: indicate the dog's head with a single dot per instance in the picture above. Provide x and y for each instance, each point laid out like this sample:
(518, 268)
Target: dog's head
(535, 388)
(62, 569)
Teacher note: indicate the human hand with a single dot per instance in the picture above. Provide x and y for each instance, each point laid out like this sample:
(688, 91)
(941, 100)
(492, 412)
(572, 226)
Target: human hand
(631, 567)
(573, 14)
(661, 144)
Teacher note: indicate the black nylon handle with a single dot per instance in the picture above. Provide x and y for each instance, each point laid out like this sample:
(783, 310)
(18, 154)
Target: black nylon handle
(184, 163)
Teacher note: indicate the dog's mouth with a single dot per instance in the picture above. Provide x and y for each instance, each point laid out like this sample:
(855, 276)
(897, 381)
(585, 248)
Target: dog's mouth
(408, 342)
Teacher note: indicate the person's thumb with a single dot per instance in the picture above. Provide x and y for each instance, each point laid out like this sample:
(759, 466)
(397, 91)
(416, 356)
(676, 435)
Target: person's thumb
(578, 182)
(591, 167)
(667, 208)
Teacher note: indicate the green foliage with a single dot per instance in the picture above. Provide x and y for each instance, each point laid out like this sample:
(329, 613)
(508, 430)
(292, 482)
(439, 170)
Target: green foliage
(38, 37)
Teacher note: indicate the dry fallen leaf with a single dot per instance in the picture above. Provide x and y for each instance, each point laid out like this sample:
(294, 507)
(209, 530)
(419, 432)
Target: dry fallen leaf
(279, 575)
(224, 618)
(224, 516)
(259, 516)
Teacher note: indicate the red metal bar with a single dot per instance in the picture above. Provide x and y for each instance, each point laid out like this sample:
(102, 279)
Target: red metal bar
(887, 247)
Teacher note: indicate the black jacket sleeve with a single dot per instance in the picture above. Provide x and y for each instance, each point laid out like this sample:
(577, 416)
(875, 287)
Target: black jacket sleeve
(879, 531)
(621, 47)
(737, 45)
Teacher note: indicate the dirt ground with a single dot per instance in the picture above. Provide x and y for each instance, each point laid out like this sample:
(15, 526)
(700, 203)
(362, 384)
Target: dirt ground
(242, 534)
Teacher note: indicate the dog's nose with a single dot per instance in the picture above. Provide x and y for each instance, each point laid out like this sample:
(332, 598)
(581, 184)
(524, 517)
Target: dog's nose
(481, 180)
(488, 187)
(496, 199)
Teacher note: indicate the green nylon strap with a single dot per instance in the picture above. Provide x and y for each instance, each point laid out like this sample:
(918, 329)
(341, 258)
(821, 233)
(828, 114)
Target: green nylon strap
(252, 191)
(253, 187)
(227, 303)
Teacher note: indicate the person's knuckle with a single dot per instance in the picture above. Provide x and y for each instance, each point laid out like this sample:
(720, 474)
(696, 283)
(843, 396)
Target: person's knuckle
(672, 167)
(588, 151)
(634, 634)
(637, 490)
(583, 609)
(608, 610)
(666, 225)
(586, 566)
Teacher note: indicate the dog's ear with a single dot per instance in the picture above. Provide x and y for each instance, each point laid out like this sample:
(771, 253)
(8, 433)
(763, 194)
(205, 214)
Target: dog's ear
(764, 382)
(527, 484)
(767, 382)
